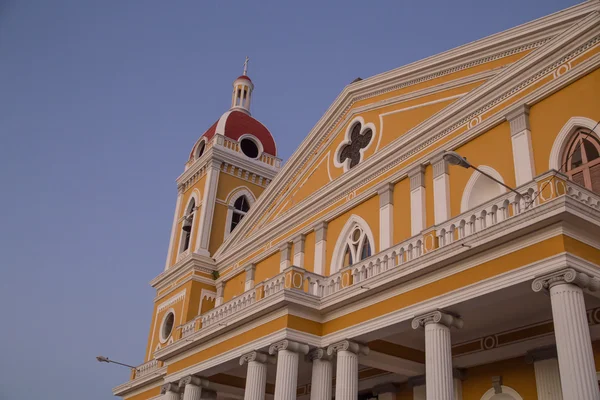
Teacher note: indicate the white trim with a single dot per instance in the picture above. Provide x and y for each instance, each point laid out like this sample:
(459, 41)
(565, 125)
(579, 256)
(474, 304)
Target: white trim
(220, 128)
(196, 197)
(230, 201)
(347, 140)
(572, 124)
(464, 203)
(206, 294)
(208, 207)
(505, 390)
(161, 335)
(195, 151)
(340, 245)
(173, 228)
(172, 300)
(256, 141)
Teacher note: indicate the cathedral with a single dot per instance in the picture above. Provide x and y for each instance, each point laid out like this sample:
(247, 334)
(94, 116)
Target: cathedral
(435, 236)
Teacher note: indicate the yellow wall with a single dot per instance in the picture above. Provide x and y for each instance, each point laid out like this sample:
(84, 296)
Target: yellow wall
(367, 210)
(493, 149)
(217, 230)
(402, 211)
(547, 117)
(267, 268)
(515, 374)
(234, 286)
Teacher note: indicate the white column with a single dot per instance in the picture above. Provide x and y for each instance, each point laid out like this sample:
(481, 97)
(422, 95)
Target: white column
(286, 381)
(346, 376)
(169, 391)
(191, 386)
(438, 353)
(322, 375)
(174, 226)
(386, 215)
(547, 375)
(417, 200)
(256, 377)
(441, 190)
(573, 342)
(219, 299)
(299, 251)
(250, 268)
(208, 207)
(320, 247)
(286, 256)
(521, 144)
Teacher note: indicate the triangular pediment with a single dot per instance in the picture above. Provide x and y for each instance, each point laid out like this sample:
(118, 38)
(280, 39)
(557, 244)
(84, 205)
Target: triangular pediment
(402, 108)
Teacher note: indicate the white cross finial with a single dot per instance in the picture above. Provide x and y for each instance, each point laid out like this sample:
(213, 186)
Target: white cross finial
(246, 66)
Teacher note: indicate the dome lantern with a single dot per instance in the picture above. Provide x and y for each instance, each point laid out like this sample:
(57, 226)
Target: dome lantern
(242, 91)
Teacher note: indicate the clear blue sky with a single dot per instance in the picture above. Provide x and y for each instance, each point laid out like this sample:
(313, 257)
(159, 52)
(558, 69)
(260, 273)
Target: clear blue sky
(100, 103)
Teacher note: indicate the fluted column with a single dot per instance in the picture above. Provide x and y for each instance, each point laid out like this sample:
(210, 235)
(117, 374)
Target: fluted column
(547, 375)
(170, 391)
(191, 386)
(346, 376)
(573, 342)
(438, 353)
(256, 377)
(320, 384)
(286, 381)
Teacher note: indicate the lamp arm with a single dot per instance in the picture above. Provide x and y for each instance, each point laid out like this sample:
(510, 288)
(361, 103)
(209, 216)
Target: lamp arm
(125, 365)
(495, 180)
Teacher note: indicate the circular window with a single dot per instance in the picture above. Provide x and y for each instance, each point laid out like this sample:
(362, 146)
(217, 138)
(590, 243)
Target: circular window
(167, 326)
(249, 148)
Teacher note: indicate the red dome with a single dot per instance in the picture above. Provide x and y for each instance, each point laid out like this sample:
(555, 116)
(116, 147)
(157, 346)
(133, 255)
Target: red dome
(234, 124)
(244, 77)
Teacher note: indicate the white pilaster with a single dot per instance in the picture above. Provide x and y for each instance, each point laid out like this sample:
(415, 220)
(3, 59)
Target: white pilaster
(346, 377)
(208, 207)
(192, 387)
(322, 375)
(438, 353)
(170, 391)
(386, 215)
(299, 251)
(174, 226)
(441, 190)
(286, 256)
(417, 200)
(320, 247)
(286, 381)
(521, 145)
(573, 342)
(256, 377)
(219, 299)
(250, 268)
(547, 379)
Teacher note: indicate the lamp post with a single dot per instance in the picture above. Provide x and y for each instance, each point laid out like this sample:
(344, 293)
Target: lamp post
(106, 360)
(453, 158)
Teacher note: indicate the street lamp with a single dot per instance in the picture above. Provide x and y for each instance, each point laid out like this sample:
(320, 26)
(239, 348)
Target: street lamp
(106, 360)
(453, 158)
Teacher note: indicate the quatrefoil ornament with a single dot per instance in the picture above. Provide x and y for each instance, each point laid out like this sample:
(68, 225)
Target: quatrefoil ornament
(359, 139)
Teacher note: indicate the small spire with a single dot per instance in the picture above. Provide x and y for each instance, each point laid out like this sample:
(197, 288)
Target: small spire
(246, 66)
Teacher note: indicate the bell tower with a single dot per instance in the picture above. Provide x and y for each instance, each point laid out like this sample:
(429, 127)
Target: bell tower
(228, 168)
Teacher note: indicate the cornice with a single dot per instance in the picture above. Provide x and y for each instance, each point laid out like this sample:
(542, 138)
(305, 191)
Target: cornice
(194, 262)
(480, 100)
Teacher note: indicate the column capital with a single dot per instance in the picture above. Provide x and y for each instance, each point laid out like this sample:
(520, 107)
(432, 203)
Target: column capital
(437, 317)
(193, 380)
(385, 192)
(288, 345)
(440, 166)
(318, 354)
(258, 357)
(416, 176)
(518, 119)
(249, 269)
(169, 387)
(320, 229)
(347, 345)
(567, 275)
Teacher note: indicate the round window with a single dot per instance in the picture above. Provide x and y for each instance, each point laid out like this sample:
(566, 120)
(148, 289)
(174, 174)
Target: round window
(167, 325)
(249, 148)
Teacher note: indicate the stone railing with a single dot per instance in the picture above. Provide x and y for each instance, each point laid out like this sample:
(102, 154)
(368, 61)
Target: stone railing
(233, 306)
(543, 189)
(235, 146)
(146, 368)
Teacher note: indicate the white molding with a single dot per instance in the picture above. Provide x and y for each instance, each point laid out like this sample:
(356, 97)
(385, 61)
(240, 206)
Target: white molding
(206, 294)
(163, 339)
(490, 394)
(338, 251)
(208, 208)
(230, 200)
(475, 176)
(195, 225)
(357, 120)
(179, 296)
(173, 228)
(561, 139)
(256, 141)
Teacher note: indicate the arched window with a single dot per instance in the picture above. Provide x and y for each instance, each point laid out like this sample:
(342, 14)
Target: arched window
(240, 208)
(354, 244)
(481, 188)
(187, 224)
(581, 159)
